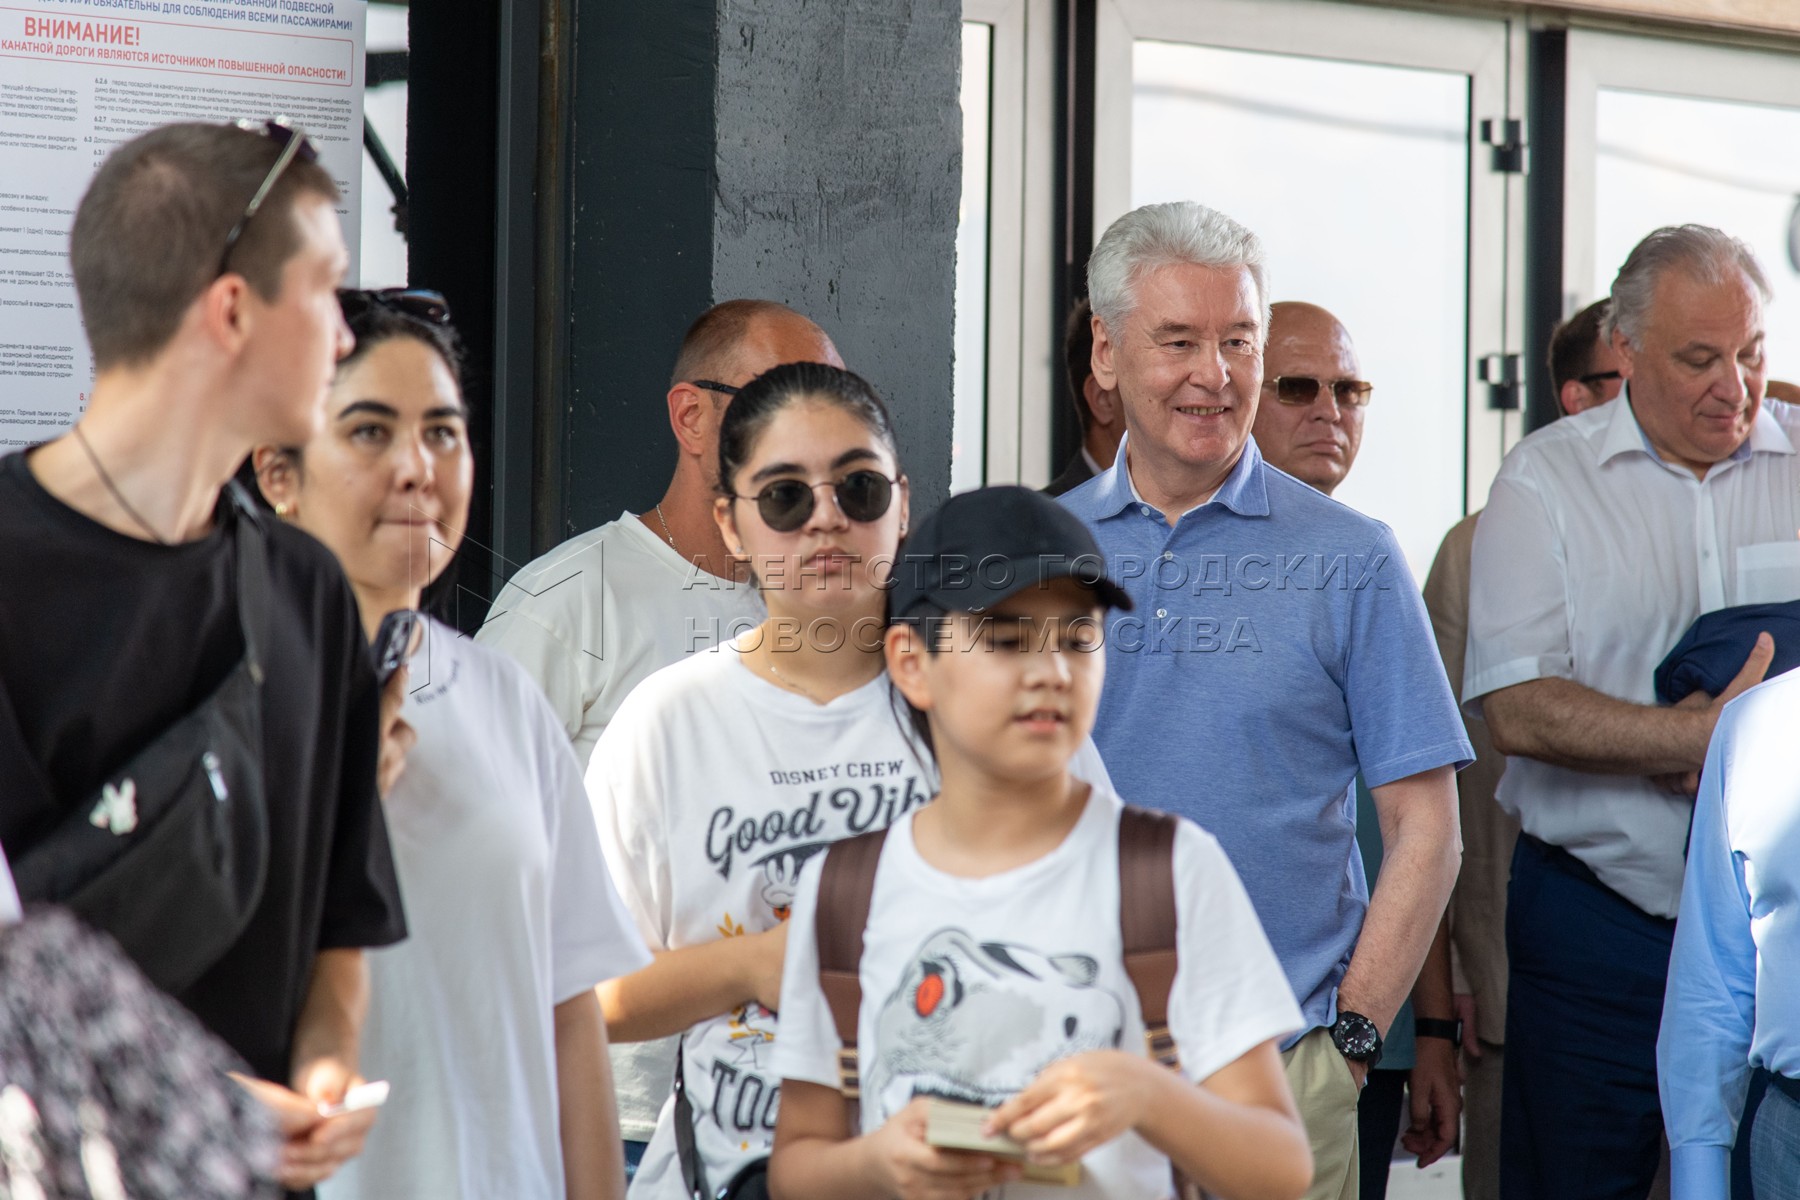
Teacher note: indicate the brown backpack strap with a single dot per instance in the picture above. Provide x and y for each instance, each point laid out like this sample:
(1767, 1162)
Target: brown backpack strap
(1147, 919)
(846, 885)
(1149, 923)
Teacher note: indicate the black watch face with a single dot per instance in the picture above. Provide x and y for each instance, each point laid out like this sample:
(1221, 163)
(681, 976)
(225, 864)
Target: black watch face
(1356, 1036)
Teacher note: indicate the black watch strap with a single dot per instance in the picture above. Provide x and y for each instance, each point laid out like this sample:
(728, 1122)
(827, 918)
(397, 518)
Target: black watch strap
(1438, 1027)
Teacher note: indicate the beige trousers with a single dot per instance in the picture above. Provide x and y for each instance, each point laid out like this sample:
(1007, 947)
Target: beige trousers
(1326, 1093)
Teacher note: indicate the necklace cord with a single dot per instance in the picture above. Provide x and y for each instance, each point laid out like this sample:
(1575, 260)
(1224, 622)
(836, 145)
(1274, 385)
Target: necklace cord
(114, 489)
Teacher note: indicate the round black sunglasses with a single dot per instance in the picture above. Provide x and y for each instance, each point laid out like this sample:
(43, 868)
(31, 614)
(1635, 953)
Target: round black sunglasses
(787, 504)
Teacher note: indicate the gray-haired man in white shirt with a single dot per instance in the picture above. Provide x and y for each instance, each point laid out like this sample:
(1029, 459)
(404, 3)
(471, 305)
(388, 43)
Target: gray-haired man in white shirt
(1605, 536)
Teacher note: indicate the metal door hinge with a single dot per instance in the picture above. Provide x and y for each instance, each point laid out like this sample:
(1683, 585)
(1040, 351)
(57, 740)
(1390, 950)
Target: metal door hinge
(1503, 374)
(1507, 137)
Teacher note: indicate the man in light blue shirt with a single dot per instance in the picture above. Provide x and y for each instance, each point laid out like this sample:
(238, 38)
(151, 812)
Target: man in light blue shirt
(1278, 647)
(1733, 1001)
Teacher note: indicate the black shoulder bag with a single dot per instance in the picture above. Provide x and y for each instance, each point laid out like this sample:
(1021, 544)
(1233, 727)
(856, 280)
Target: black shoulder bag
(170, 855)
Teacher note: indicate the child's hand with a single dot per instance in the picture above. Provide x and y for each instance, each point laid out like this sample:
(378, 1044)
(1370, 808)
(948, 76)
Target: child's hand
(1076, 1105)
(913, 1170)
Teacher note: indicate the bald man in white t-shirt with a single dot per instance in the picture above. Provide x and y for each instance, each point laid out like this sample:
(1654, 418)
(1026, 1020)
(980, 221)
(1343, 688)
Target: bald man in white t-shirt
(594, 617)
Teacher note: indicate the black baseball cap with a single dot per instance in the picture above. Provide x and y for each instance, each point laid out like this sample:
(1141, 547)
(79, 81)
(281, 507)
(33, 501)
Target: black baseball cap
(982, 546)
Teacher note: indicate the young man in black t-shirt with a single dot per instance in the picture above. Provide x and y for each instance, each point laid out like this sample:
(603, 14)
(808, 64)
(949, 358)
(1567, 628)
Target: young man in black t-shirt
(215, 326)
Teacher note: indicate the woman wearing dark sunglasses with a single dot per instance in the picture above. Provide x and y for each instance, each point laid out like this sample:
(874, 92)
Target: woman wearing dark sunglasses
(484, 1021)
(723, 774)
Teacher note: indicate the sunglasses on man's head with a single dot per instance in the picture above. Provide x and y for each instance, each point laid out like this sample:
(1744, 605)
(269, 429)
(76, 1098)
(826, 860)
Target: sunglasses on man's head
(787, 504)
(294, 144)
(421, 304)
(1304, 389)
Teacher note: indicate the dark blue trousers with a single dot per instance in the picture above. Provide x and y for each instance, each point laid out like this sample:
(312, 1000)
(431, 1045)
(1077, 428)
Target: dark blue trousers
(1579, 1118)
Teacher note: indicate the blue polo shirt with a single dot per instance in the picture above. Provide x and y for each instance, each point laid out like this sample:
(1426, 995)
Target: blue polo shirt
(1279, 647)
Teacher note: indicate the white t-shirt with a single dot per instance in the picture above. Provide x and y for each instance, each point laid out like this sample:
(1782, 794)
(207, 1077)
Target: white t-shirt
(712, 787)
(972, 986)
(589, 621)
(510, 911)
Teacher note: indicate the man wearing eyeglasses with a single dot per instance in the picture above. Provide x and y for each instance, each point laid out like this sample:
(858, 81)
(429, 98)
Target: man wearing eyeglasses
(601, 612)
(1309, 421)
(207, 260)
(1584, 367)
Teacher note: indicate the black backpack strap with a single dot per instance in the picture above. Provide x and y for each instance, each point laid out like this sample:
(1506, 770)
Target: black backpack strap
(846, 886)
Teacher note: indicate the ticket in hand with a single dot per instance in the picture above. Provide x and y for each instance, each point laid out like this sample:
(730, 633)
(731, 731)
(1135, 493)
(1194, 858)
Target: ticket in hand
(954, 1125)
(363, 1095)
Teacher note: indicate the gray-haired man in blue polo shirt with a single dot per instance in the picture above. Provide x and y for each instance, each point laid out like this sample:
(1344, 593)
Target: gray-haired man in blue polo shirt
(1279, 646)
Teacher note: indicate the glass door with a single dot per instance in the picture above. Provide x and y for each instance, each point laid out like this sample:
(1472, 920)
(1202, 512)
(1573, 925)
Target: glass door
(1667, 133)
(1351, 140)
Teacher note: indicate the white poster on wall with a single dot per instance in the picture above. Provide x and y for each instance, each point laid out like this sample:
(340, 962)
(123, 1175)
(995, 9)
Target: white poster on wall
(77, 77)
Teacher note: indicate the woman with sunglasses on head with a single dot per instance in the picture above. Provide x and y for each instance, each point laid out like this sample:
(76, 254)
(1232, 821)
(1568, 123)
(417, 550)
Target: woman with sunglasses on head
(484, 1021)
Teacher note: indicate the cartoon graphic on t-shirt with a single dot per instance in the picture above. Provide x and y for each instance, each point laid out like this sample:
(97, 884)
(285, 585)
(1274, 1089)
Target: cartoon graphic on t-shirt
(757, 844)
(976, 1021)
(752, 1031)
(781, 877)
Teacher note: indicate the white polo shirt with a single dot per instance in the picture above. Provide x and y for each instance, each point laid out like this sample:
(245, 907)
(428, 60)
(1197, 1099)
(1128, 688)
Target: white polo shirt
(1592, 558)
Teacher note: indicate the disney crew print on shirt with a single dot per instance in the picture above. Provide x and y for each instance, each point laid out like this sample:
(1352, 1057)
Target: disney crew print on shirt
(767, 847)
(976, 1021)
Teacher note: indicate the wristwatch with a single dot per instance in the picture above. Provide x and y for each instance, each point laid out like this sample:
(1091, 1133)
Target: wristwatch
(1356, 1038)
(1438, 1027)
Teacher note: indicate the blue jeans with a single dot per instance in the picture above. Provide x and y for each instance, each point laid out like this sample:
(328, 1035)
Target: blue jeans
(1580, 1118)
(1775, 1148)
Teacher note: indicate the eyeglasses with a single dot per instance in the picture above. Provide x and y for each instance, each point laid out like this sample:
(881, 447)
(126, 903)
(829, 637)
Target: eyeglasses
(787, 504)
(421, 304)
(1304, 389)
(707, 385)
(1598, 377)
(294, 144)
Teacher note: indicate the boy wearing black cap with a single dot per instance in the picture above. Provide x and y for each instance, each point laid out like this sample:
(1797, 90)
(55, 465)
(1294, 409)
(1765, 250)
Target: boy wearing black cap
(993, 968)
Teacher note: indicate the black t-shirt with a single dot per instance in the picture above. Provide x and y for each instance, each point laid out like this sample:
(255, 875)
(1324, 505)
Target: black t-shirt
(105, 640)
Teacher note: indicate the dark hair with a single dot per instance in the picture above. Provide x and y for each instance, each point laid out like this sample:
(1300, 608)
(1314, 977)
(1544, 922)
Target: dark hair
(150, 229)
(715, 334)
(1573, 343)
(763, 397)
(1078, 357)
(376, 323)
(932, 630)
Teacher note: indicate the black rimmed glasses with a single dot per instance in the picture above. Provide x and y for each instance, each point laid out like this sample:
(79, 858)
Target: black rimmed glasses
(787, 504)
(1594, 378)
(708, 385)
(421, 304)
(294, 144)
(1304, 389)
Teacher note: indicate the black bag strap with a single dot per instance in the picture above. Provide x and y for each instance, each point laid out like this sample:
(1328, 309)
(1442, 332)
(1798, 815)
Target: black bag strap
(16, 760)
(846, 886)
(687, 1151)
(252, 576)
